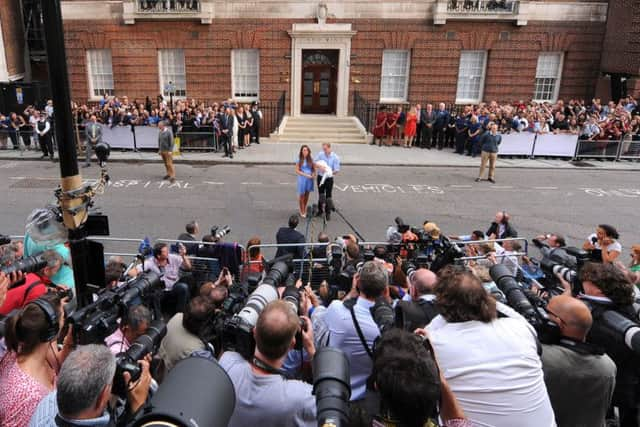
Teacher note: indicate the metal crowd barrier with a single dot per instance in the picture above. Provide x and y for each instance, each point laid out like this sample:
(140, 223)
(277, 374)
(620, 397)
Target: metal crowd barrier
(630, 148)
(598, 149)
(199, 141)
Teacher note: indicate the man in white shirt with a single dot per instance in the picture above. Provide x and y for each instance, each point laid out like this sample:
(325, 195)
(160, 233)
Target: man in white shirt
(491, 363)
(343, 318)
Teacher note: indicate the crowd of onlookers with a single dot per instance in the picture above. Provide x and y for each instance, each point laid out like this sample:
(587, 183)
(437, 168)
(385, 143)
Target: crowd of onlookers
(457, 356)
(192, 119)
(461, 127)
(197, 122)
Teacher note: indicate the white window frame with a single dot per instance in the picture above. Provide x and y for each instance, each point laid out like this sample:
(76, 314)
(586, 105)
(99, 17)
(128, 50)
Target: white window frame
(163, 81)
(234, 82)
(90, 72)
(403, 99)
(478, 99)
(558, 77)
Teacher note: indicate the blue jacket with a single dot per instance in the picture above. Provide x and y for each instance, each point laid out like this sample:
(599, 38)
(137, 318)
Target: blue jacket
(489, 142)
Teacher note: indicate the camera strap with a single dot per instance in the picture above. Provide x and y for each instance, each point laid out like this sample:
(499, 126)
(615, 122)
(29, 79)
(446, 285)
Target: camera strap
(359, 331)
(267, 368)
(29, 289)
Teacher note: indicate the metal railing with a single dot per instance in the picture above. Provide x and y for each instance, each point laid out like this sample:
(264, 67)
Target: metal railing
(204, 140)
(629, 148)
(482, 6)
(168, 6)
(598, 149)
(272, 114)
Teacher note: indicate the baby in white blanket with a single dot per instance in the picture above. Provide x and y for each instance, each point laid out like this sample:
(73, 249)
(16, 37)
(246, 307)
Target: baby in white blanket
(326, 170)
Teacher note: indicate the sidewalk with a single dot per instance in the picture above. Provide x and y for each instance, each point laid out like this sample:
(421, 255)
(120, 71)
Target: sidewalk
(283, 153)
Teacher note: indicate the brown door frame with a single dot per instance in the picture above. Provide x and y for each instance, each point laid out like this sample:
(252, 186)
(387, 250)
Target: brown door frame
(317, 69)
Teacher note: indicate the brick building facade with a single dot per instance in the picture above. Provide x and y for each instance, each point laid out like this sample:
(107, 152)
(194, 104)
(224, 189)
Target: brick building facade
(514, 49)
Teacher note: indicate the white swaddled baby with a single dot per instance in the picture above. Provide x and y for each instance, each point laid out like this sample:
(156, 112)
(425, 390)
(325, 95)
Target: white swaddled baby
(326, 170)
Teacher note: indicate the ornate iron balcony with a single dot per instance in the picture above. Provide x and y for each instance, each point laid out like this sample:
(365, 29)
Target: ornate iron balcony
(483, 7)
(168, 6)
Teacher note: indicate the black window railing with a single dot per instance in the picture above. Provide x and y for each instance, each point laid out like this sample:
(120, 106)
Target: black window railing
(482, 6)
(168, 6)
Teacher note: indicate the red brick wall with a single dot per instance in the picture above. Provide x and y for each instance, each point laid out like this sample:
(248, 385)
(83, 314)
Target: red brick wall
(621, 50)
(511, 64)
(434, 58)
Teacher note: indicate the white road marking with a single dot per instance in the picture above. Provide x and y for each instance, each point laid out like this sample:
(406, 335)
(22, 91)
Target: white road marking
(286, 183)
(461, 186)
(251, 183)
(213, 183)
(545, 188)
(16, 177)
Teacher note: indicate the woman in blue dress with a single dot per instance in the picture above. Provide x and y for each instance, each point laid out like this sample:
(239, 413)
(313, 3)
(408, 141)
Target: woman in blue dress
(306, 172)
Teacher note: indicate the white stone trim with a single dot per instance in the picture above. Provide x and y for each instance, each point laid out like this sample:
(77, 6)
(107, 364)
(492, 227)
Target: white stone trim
(321, 36)
(123, 10)
(4, 72)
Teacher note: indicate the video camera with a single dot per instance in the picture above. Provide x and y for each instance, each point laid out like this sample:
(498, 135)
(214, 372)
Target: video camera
(96, 321)
(566, 262)
(129, 360)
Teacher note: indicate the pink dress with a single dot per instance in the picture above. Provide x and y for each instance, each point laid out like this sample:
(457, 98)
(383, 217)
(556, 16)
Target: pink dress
(19, 393)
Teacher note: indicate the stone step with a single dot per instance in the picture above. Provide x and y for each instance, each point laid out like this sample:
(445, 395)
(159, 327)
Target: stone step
(312, 124)
(317, 129)
(331, 140)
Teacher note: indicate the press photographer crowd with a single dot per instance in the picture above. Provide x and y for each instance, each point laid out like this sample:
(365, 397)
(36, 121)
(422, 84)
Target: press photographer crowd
(424, 330)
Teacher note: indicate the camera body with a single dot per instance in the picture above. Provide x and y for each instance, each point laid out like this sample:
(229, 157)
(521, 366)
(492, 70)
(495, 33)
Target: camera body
(128, 361)
(93, 323)
(31, 264)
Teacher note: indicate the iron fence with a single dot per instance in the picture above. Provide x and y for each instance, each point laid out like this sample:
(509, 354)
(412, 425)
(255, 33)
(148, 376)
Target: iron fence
(168, 6)
(482, 6)
(598, 149)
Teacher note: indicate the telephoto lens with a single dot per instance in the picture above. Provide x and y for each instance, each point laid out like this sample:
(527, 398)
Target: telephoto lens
(277, 274)
(196, 392)
(516, 297)
(332, 387)
(31, 264)
(291, 296)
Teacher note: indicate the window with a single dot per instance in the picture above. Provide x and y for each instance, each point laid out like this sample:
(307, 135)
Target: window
(395, 76)
(471, 76)
(100, 72)
(245, 74)
(548, 74)
(172, 72)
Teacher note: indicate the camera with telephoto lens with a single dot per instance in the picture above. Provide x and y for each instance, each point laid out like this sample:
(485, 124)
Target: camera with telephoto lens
(383, 315)
(4, 240)
(530, 306)
(128, 361)
(96, 321)
(409, 269)
(332, 387)
(219, 232)
(31, 264)
(565, 261)
(237, 333)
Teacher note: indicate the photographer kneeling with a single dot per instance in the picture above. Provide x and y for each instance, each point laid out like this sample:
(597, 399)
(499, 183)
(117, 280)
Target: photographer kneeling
(263, 396)
(84, 390)
(132, 326)
(580, 378)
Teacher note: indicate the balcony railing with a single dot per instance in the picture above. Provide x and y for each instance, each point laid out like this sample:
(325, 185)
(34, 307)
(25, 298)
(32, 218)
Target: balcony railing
(168, 6)
(488, 7)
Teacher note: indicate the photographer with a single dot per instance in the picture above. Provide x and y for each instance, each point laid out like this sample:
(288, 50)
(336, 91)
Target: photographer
(481, 353)
(35, 284)
(29, 369)
(420, 309)
(169, 266)
(410, 385)
(133, 325)
(606, 288)
(351, 326)
(500, 228)
(183, 332)
(263, 396)
(580, 378)
(603, 244)
(83, 391)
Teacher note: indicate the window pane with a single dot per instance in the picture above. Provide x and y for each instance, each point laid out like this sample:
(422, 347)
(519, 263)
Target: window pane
(547, 76)
(395, 66)
(172, 69)
(100, 72)
(471, 75)
(246, 76)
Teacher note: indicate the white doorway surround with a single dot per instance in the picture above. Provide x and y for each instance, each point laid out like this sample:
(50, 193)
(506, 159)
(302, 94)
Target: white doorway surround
(321, 36)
